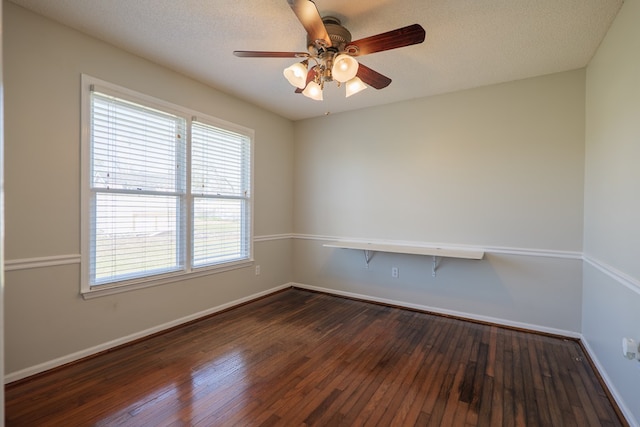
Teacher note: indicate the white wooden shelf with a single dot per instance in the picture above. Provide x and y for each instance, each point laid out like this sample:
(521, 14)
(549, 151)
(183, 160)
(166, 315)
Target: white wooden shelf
(371, 248)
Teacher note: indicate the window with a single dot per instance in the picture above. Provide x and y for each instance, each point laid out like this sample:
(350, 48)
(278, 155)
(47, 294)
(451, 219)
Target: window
(166, 191)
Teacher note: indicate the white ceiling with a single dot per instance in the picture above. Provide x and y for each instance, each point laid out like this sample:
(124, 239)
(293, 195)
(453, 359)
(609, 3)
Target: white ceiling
(469, 43)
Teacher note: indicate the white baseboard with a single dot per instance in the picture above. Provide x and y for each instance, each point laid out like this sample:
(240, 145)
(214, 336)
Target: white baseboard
(437, 310)
(42, 367)
(610, 385)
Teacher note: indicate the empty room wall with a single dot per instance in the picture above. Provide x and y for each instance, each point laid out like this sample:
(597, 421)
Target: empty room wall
(611, 305)
(498, 167)
(47, 321)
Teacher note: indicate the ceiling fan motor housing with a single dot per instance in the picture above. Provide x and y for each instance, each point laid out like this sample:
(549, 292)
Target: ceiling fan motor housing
(339, 36)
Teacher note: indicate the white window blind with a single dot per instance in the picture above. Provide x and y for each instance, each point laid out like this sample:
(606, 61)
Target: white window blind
(138, 187)
(220, 180)
(166, 195)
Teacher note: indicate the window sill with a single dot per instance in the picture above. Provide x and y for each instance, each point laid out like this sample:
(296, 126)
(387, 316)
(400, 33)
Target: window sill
(105, 290)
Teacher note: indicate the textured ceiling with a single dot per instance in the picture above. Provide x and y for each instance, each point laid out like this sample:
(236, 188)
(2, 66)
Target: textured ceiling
(469, 43)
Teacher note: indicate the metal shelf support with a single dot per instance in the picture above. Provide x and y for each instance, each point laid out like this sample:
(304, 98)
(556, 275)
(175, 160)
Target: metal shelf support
(367, 256)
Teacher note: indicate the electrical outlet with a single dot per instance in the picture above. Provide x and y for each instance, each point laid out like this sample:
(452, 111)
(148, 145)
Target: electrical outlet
(257, 270)
(394, 272)
(630, 349)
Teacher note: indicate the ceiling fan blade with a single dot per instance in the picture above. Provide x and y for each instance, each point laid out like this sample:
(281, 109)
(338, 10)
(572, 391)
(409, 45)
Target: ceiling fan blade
(310, 18)
(372, 78)
(401, 37)
(310, 76)
(267, 54)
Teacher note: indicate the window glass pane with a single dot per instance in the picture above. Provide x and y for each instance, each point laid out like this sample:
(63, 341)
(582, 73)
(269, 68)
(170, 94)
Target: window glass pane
(220, 161)
(135, 235)
(218, 230)
(136, 147)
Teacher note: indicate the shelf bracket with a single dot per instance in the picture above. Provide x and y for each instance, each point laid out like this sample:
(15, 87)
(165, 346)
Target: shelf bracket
(435, 266)
(367, 256)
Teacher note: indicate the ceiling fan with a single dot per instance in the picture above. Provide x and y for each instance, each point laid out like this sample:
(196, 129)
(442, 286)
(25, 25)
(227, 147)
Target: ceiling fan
(333, 53)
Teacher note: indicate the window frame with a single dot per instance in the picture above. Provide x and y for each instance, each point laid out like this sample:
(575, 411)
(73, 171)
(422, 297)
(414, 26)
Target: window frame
(88, 290)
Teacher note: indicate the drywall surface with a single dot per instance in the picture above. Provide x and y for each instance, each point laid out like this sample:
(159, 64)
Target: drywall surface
(46, 318)
(499, 167)
(538, 293)
(611, 304)
(610, 312)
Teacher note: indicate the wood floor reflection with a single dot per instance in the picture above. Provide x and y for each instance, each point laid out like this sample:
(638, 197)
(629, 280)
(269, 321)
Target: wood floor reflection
(303, 358)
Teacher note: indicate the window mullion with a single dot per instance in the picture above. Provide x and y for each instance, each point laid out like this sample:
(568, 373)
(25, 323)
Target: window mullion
(188, 203)
(182, 177)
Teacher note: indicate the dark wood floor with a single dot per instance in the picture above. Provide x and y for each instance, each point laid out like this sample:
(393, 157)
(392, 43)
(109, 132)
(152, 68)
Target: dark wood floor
(302, 358)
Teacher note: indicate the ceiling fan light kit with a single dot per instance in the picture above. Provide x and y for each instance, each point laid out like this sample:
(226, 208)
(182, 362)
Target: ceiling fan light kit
(330, 47)
(344, 67)
(313, 91)
(354, 86)
(297, 74)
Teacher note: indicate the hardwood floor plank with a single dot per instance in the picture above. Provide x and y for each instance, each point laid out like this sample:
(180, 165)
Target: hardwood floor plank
(555, 413)
(520, 415)
(532, 410)
(586, 405)
(484, 416)
(452, 409)
(508, 406)
(412, 377)
(305, 358)
(439, 386)
(497, 397)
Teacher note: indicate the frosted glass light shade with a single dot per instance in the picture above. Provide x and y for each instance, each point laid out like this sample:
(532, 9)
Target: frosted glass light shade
(313, 91)
(354, 86)
(296, 75)
(344, 68)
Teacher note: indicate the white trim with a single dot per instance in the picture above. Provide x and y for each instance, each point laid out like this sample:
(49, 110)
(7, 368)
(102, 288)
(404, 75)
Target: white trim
(104, 290)
(270, 237)
(544, 253)
(28, 263)
(610, 384)
(436, 310)
(47, 261)
(42, 367)
(51, 261)
(614, 273)
(547, 253)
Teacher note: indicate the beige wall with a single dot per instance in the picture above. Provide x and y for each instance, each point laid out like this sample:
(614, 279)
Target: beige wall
(611, 306)
(499, 167)
(46, 318)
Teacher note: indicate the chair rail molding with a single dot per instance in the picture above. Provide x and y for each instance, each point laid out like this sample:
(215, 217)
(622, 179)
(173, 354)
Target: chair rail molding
(617, 275)
(38, 262)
